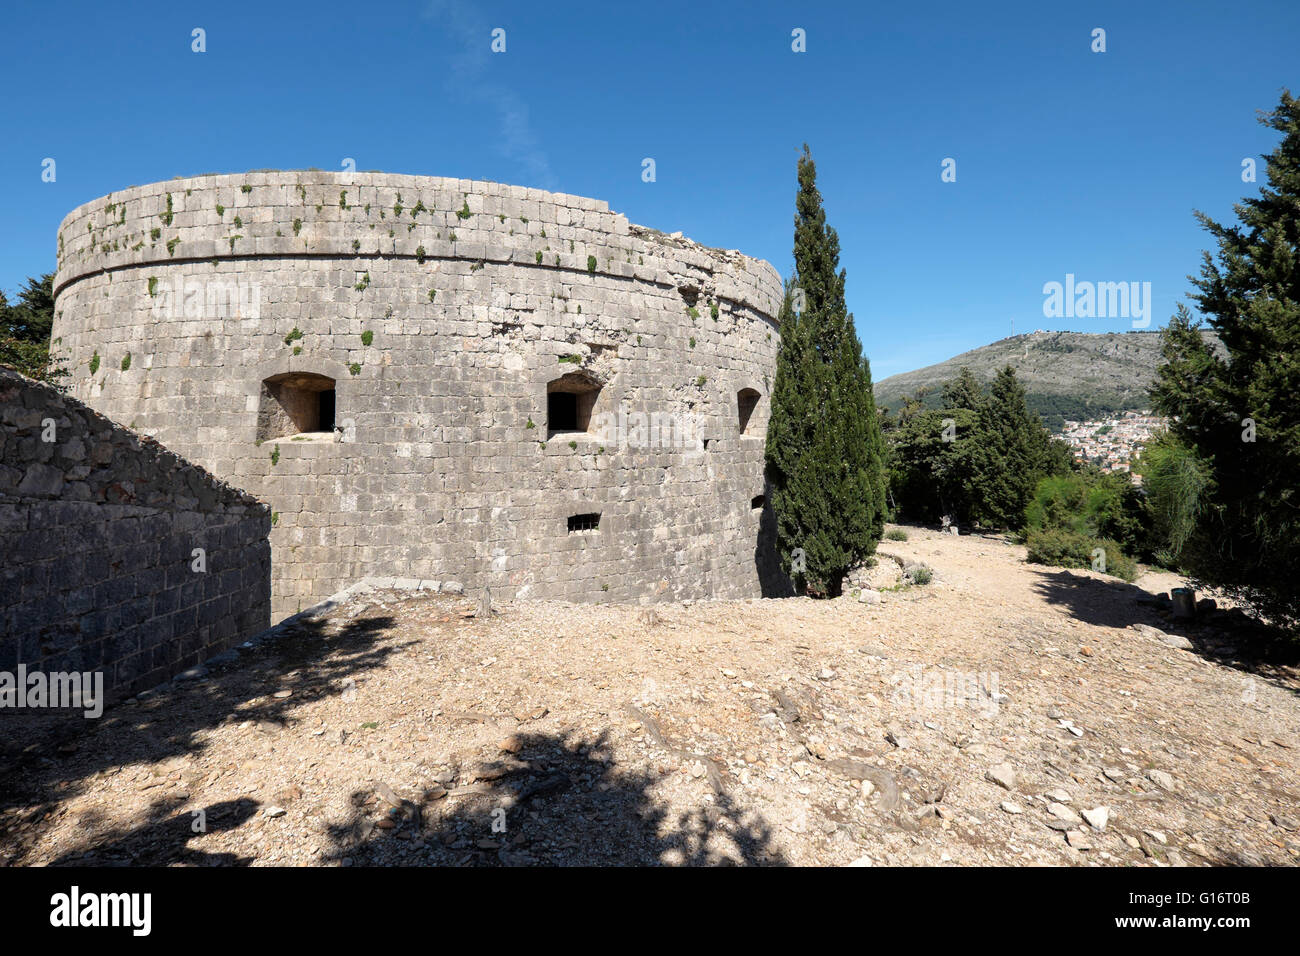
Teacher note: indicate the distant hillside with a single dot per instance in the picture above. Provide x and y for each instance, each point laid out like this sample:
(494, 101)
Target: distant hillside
(1075, 375)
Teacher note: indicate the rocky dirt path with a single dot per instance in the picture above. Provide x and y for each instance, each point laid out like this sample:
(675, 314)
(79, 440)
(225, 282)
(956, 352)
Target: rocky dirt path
(1005, 713)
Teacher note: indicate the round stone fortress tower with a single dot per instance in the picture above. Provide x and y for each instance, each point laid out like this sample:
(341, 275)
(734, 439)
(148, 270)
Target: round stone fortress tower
(437, 378)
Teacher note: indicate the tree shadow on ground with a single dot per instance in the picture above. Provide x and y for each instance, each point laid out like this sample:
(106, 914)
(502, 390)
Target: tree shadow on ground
(46, 758)
(1227, 637)
(555, 803)
(162, 839)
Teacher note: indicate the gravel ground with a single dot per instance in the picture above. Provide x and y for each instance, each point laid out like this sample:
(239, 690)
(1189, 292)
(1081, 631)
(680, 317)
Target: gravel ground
(1005, 713)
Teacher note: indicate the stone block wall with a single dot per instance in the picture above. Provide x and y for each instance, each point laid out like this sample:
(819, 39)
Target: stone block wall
(98, 533)
(441, 309)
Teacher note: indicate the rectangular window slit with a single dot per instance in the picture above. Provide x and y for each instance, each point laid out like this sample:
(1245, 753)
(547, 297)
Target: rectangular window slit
(587, 522)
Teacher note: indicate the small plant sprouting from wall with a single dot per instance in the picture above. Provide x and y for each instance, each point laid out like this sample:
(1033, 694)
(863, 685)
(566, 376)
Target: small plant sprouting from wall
(453, 237)
(275, 455)
(302, 193)
(713, 310)
(418, 208)
(356, 245)
(167, 216)
(367, 337)
(233, 240)
(463, 212)
(355, 368)
(502, 217)
(153, 286)
(539, 257)
(155, 233)
(171, 246)
(419, 254)
(94, 363)
(239, 223)
(572, 359)
(343, 199)
(364, 283)
(432, 294)
(573, 445)
(275, 518)
(591, 264)
(293, 336)
(297, 226)
(699, 382)
(693, 312)
(692, 341)
(221, 211)
(126, 361)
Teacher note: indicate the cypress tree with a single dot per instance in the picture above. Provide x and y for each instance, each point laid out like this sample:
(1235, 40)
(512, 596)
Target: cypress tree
(824, 451)
(1237, 415)
(1008, 458)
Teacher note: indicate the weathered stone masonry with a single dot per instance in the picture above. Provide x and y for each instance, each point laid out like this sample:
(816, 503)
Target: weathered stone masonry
(98, 534)
(435, 321)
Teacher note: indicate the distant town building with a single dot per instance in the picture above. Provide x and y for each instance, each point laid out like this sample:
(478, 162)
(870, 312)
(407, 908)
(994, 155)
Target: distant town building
(1112, 443)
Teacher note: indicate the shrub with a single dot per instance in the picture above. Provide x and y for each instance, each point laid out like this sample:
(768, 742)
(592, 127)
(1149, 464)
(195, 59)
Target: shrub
(896, 534)
(1060, 548)
(1093, 505)
(1063, 548)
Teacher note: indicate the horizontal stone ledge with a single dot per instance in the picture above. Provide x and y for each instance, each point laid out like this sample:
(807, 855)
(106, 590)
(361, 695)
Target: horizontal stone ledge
(735, 294)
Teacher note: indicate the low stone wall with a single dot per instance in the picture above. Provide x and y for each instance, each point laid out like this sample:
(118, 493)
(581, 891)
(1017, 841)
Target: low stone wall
(117, 556)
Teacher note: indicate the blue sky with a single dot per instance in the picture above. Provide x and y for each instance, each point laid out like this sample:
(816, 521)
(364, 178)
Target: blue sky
(1068, 161)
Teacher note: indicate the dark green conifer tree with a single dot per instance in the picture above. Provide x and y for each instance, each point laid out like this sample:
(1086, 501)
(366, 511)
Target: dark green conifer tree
(1008, 454)
(825, 455)
(1237, 416)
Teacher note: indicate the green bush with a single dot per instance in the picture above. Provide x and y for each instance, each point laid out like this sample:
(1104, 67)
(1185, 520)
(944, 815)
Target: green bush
(896, 534)
(1063, 548)
(1092, 505)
